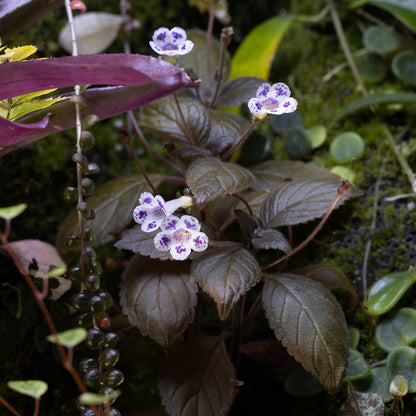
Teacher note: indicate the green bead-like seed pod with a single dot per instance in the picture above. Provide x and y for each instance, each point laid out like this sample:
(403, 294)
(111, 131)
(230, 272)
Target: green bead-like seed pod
(113, 378)
(87, 235)
(94, 338)
(95, 267)
(87, 364)
(111, 339)
(91, 169)
(85, 320)
(72, 241)
(93, 378)
(87, 141)
(107, 298)
(80, 302)
(88, 186)
(70, 194)
(97, 304)
(93, 281)
(109, 358)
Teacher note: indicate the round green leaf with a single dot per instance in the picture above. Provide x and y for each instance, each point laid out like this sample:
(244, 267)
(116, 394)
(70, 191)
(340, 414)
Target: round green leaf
(97, 399)
(387, 291)
(346, 146)
(378, 382)
(317, 136)
(397, 331)
(404, 67)
(343, 172)
(380, 40)
(32, 388)
(8, 213)
(372, 67)
(297, 143)
(402, 361)
(69, 338)
(354, 337)
(357, 366)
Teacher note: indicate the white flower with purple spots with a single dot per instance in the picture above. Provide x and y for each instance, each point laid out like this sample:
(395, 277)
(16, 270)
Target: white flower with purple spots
(153, 210)
(170, 42)
(180, 236)
(273, 99)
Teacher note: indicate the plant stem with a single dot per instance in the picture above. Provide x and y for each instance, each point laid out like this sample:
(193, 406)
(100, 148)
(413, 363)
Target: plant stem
(36, 410)
(188, 131)
(209, 39)
(125, 137)
(9, 407)
(148, 146)
(237, 325)
(231, 151)
(345, 48)
(342, 190)
(244, 202)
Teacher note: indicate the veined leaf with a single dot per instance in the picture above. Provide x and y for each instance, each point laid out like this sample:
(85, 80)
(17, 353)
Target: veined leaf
(238, 91)
(375, 99)
(140, 242)
(403, 10)
(309, 322)
(158, 297)
(226, 274)
(255, 54)
(32, 388)
(17, 54)
(203, 386)
(113, 205)
(209, 178)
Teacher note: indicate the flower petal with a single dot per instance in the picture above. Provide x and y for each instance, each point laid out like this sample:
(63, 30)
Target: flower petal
(170, 224)
(190, 223)
(140, 213)
(146, 198)
(280, 89)
(263, 91)
(178, 35)
(180, 251)
(156, 48)
(199, 242)
(151, 224)
(186, 47)
(162, 241)
(160, 35)
(256, 108)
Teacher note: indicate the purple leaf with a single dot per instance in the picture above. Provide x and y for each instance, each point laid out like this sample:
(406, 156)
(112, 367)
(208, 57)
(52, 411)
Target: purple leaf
(16, 15)
(145, 79)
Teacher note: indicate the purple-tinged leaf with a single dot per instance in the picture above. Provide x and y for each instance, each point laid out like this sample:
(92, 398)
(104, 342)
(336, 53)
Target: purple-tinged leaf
(148, 79)
(16, 15)
(226, 274)
(362, 404)
(158, 297)
(197, 379)
(309, 322)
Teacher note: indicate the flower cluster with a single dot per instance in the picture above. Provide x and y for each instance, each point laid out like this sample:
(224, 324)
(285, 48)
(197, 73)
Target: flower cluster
(273, 99)
(170, 42)
(178, 235)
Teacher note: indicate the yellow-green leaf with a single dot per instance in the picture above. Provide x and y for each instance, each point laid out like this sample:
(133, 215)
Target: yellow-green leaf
(12, 212)
(69, 338)
(255, 54)
(27, 107)
(93, 398)
(17, 54)
(32, 388)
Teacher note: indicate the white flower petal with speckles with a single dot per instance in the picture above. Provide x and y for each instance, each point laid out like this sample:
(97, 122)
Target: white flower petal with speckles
(189, 223)
(180, 252)
(263, 91)
(280, 89)
(162, 241)
(255, 107)
(199, 242)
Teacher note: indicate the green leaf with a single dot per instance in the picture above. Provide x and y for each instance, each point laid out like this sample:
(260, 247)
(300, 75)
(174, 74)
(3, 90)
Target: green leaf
(309, 322)
(347, 146)
(255, 54)
(354, 337)
(95, 31)
(141, 242)
(55, 272)
(97, 399)
(162, 118)
(403, 10)
(378, 382)
(238, 91)
(209, 178)
(375, 99)
(372, 67)
(197, 379)
(402, 361)
(387, 291)
(158, 297)
(69, 338)
(297, 143)
(358, 367)
(362, 404)
(404, 67)
(32, 388)
(317, 136)
(226, 274)
(8, 213)
(397, 331)
(113, 205)
(380, 40)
